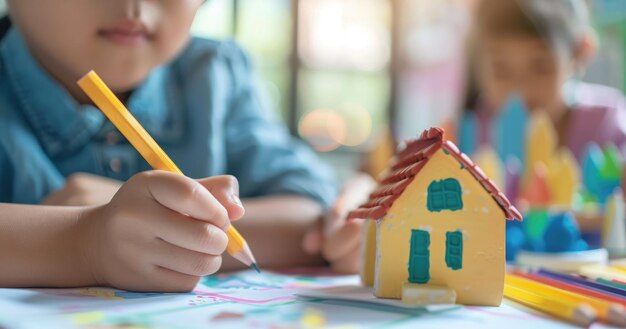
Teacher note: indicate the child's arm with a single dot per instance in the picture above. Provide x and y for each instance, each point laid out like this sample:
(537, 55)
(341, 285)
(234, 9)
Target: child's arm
(39, 246)
(83, 189)
(139, 241)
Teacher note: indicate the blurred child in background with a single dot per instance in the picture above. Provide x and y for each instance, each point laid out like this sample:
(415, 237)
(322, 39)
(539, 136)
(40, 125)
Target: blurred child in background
(535, 49)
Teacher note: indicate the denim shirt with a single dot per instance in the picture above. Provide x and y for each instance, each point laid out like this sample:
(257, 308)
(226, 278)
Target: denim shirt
(202, 108)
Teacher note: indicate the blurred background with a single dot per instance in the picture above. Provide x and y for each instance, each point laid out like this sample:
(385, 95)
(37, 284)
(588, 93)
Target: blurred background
(348, 75)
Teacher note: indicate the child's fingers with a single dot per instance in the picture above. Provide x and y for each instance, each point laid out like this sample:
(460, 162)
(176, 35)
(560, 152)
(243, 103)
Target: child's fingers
(335, 219)
(355, 192)
(342, 241)
(185, 261)
(349, 263)
(183, 195)
(188, 233)
(226, 190)
(313, 239)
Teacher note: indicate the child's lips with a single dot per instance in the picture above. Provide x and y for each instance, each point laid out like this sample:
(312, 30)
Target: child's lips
(129, 33)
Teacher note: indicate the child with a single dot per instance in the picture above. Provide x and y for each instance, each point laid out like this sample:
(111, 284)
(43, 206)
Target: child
(159, 231)
(533, 48)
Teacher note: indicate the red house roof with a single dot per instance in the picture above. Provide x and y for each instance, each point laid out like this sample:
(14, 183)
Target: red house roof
(410, 161)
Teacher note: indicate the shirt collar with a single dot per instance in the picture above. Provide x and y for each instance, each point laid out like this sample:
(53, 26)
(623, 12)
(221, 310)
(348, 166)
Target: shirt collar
(60, 123)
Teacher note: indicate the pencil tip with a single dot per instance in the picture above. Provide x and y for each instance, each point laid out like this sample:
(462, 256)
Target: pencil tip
(255, 267)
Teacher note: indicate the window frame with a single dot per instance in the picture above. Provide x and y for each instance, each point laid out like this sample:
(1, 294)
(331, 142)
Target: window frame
(444, 194)
(454, 250)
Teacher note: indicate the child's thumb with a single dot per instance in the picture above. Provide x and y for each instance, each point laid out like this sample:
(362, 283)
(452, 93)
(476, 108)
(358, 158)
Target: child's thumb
(226, 190)
(313, 240)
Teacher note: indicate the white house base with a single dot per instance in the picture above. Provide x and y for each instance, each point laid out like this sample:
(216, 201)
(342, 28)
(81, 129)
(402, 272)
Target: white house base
(424, 294)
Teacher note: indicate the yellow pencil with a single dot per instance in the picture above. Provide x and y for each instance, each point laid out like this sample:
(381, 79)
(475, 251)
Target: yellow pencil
(104, 98)
(579, 313)
(608, 312)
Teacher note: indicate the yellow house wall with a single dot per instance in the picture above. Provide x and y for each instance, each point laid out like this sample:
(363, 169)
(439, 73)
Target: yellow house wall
(368, 253)
(482, 221)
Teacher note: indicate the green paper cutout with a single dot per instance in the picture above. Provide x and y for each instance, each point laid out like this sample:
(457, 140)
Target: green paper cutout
(612, 168)
(535, 223)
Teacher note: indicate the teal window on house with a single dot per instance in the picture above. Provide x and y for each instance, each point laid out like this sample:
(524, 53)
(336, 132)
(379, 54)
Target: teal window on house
(454, 250)
(444, 194)
(419, 257)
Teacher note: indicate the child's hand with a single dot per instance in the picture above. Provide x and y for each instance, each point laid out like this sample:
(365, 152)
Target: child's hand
(84, 190)
(337, 239)
(161, 232)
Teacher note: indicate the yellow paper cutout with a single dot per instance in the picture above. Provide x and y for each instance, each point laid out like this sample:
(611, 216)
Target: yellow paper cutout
(563, 177)
(541, 141)
(489, 161)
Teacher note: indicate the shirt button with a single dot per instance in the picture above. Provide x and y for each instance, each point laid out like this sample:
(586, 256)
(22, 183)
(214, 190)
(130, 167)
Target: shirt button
(115, 165)
(113, 137)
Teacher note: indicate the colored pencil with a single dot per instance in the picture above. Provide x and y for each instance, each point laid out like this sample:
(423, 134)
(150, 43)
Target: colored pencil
(612, 283)
(581, 314)
(119, 115)
(575, 288)
(604, 272)
(610, 313)
(581, 281)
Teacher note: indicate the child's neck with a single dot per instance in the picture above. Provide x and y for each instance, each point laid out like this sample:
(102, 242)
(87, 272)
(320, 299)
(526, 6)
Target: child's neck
(79, 95)
(561, 122)
(69, 82)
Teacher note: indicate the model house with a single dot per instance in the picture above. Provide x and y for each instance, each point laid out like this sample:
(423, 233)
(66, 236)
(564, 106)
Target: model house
(437, 228)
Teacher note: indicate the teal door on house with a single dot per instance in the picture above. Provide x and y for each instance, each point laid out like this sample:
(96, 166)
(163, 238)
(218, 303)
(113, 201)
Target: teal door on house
(419, 257)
